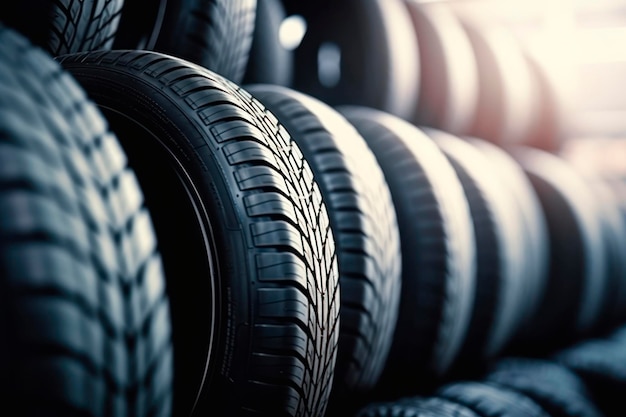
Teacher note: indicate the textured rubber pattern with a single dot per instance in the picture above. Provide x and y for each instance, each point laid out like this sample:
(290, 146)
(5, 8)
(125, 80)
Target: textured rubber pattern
(507, 97)
(534, 230)
(448, 70)
(358, 52)
(64, 26)
(269, 62)
(84, 315)
(416, 407)
(498, 303)
(438, 254)
(216, 34)
(576, 287)
(490, 400)
(275, 349)
(601, 364)
(364, 224)
(559, 391)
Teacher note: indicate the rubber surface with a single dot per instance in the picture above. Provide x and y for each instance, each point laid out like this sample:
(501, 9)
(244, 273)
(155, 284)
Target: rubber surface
(534, 229)
(64, 26)
(358, 52)
(600, 364)
(216, 34)
(364, 224)
(275, 292)
(507, 98)
(614, 237)
(416, 407)
(84, 314)
(438, 254)
(554, 387)
(448, 70)
(498, 304)
(489, 400)
(548, 132)
(577, 279)
(269, 62)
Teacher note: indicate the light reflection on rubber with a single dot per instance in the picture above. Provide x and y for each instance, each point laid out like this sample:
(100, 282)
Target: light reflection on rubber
(329, 64)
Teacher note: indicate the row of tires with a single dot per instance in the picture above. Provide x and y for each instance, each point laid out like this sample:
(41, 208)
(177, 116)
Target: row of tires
(584, 380)
(254, 250)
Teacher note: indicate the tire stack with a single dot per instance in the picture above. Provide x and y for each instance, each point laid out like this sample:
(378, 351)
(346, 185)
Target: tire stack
(195, 220)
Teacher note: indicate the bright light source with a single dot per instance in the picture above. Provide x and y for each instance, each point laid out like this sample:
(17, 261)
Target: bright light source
(292, 31)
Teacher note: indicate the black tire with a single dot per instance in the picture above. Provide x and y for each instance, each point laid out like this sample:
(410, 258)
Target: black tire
(600, 363)
(559, 391)
(272, 294)
(350, 54)
(448, 89)
(438, 254)
(416, 407)
(507, 96)
(216, 34)
(499, 300)
(84, 314)
(534, 230)
(364, 224)
(614, 236)
(577, 279)
(490, 400)
(269, 62)
(140, 24)
(64, 26)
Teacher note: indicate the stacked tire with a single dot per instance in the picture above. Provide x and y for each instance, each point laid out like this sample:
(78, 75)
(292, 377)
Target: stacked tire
(190, 228)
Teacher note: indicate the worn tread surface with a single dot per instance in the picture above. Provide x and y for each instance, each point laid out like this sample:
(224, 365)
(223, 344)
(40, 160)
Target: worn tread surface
(84, 312)
(276, 350)
(65, 26)
(366, 231)
(436, 240)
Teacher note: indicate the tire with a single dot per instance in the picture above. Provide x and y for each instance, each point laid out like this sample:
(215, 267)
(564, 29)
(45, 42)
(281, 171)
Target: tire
(549, 129)
(140, 24)
(448, 70)
(577, 283)
(559, 391)
(271, 295)
(489, 400)
(350, 54)
(416, 407)
(600, 364)
(438, 254)
(269, 62)
(84, 313)
(614, 237)
(216, 34)
(65, 26)
(507, 97)
(498, 303)
(364, 224)
(534, 231)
